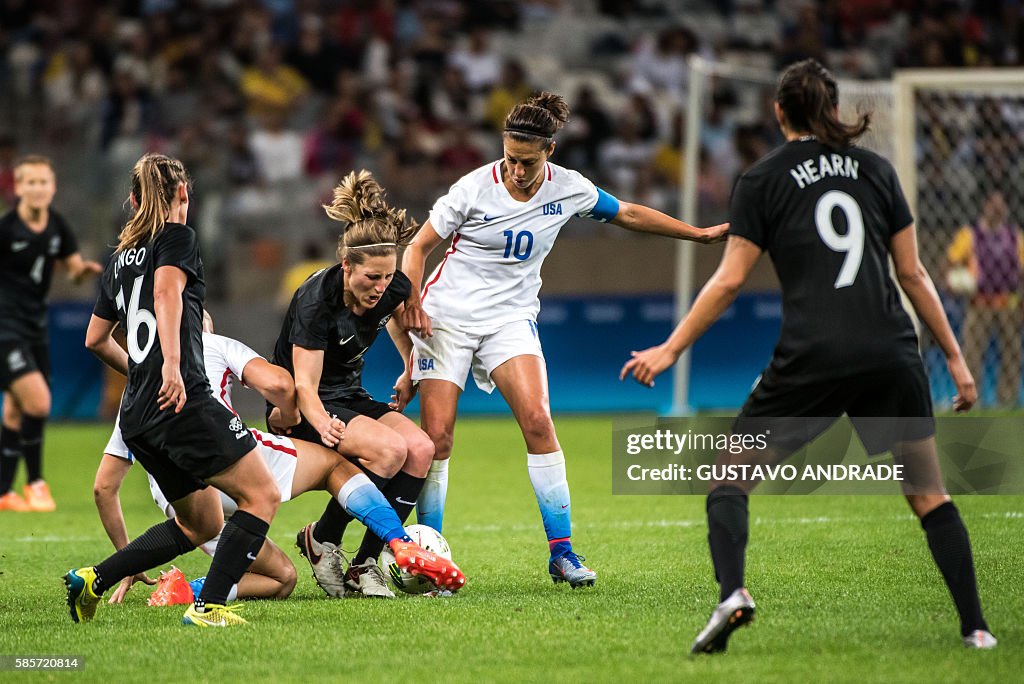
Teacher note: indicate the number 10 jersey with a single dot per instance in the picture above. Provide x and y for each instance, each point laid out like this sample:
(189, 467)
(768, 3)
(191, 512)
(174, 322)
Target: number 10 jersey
(126, 296)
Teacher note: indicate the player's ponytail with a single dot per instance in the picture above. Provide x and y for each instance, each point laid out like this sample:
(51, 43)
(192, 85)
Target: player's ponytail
(155, 180)
(374, 228)
(808, 95)
(537, 119)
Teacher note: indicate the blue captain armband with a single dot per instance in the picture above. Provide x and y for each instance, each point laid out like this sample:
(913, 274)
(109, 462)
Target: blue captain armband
(606, 209)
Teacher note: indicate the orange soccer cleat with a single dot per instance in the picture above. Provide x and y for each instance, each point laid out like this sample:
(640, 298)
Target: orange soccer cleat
(416, 560)
(172, 589)
(11, 501)
(38, 498)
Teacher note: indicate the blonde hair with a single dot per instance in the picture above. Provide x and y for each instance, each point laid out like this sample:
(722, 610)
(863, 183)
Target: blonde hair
(374, 229)
(31, 160)
(154, 181)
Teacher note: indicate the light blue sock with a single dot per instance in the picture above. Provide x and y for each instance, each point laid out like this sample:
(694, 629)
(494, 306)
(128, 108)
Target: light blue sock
(547, 474)
(430, 505)
(365, 503)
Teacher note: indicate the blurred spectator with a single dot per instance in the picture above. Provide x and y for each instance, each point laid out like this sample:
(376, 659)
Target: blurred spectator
(510, 91)
(660, 65)
(667, 161)
(312, 261)
(481, 67)
(334, 144)
(754, 28)
(8, 156)
(450, 100)
(804, 40)
(623, 156)
(278, 150)
(588, 127)
(241, 168)
(313, 56)
(74, 86)
(409, 163)
(986, 257)
(460, 153)
(270, 86)
(717, 133)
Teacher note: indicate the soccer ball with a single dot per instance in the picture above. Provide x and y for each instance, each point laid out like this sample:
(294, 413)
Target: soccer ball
(431, 540)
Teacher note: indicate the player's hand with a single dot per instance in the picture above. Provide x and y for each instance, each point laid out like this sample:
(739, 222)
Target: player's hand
(126, 584)
(89, 269)
(415, 319)
(404, 391)
(714, 234)
(281, 424)
(332, 433)
(172, 391)
(966, 390)
(649, 363)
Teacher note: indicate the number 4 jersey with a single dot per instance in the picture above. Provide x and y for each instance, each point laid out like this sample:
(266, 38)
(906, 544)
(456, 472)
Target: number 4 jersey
(826, 218)
(26, 269)
(126, 296)
(490, 274)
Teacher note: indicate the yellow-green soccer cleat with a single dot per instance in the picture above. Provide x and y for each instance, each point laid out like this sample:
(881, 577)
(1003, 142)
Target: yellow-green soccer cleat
(81, 599)
(214, 616)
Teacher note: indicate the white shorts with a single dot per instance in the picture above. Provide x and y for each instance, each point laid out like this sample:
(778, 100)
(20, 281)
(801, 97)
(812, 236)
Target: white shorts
(277, 451)
(450, 353)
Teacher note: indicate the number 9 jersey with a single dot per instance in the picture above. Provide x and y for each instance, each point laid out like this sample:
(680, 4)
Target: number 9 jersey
(826, 219)
(126, 296)
(490, 274)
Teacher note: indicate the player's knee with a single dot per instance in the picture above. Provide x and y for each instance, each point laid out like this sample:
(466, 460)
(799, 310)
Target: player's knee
(389, 455)
(536, 425)
(202, 530)
(443, 440)
(420, 454)
(286, 581)
(923, 504)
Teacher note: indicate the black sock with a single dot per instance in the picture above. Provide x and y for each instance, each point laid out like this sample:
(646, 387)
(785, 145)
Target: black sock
(32, 446)
(951, 549)
(331, 525)
(728, 525)
(401, 493)
(154, 547)
(10, 452)
(240, 540)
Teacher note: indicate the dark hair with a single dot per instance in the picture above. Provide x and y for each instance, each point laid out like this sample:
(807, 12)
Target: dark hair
(539, 117)
(808, 95)
(155, 179)
(374, 228)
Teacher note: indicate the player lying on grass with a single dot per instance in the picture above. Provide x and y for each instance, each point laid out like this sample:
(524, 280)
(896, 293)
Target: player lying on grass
(297, 467)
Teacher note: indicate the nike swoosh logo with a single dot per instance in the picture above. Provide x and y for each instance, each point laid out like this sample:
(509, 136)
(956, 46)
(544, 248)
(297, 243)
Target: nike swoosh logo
(18, 246)
(488, 217)
(345, 341)
(250, 556)
(400, 500)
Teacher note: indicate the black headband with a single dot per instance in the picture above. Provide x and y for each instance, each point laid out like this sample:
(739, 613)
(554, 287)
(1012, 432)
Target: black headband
(525, 131)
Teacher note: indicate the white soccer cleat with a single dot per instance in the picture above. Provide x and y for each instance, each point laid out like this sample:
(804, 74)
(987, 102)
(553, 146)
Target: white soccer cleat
(980, 639)
(325, 559)
(730, 614)
(368, 579)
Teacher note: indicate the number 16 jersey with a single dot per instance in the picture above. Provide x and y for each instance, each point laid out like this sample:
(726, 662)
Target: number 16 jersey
(126, 296)
(826, 219)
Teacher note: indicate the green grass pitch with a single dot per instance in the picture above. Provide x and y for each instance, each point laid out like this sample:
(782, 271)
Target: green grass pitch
(845, 586)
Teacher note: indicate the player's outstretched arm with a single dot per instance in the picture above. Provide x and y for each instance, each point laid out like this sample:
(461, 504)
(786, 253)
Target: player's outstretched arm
(275, 384)
(106, 493)
(643, 219)
(99, 340)
(714, 298)
(920, 289)
(79, 269)
(414, 261)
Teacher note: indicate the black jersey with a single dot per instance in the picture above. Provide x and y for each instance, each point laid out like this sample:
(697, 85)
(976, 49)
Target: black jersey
(126, 296)
(26, 270)
(826, 219)
(318, 319)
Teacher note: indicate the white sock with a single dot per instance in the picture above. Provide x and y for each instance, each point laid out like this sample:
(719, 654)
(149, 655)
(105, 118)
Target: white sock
(233, 594)
(430, 505)
(547, 474)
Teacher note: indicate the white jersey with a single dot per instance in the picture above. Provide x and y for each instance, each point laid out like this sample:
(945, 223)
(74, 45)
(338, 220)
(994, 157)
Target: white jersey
(225, 360)
(490, 275)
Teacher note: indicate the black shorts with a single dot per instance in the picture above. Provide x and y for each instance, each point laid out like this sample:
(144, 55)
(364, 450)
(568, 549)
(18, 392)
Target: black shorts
(885, 407)
(345, 410)
(21, 358)
(201, 441)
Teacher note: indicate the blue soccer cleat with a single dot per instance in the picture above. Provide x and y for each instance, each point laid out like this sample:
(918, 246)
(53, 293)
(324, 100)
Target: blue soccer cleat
(568, 567)
(197, 585)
